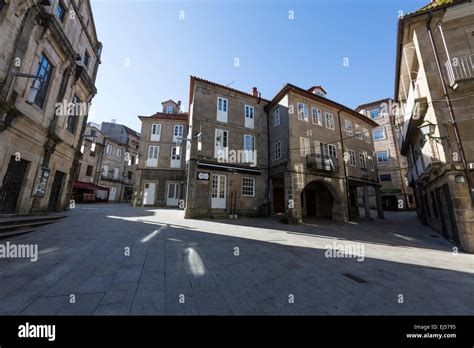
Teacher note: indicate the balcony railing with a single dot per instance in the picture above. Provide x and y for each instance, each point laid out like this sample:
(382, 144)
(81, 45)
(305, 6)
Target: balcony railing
(460, 68)
(322, 164)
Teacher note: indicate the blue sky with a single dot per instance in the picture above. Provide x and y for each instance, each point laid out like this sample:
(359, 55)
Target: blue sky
(150, 52)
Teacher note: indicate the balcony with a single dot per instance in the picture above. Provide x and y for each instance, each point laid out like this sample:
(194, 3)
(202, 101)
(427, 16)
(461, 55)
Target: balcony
(459, 69)
(322, 164)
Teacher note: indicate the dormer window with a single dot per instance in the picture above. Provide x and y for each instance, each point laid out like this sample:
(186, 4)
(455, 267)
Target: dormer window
(169, 109)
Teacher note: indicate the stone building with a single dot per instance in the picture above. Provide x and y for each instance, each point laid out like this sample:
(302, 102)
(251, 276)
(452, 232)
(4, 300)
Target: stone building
(392, 167)
(320, 152)
(298, 155)
(227, 151)
(160, 170)
(434, 85)
(48, 65)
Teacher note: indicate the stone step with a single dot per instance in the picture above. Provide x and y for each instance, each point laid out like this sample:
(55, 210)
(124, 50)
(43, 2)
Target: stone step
(24, 219)
(17, 232)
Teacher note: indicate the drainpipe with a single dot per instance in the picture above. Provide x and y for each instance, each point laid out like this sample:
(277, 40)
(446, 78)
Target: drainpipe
(395, 140)
(268, 163)
(448, 103)
(344, 165)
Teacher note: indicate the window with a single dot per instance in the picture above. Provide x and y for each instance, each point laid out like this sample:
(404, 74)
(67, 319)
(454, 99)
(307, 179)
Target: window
(379, 133)
(89, 170)
(276, 117)
(249, 113)
(362, 157)
(72, 119)
(305, 147)
(175, 157)
(385, 177)
(177, 133)
(169, 109)
(278, 150)
(248, 187)
(329, 150)
(348, 126)
(153, 154)
(116, 173)
(105, 170)
(222, 106)
(43, 74)
(155, 132)
(1, 5)
(119, 152)
(60, 11)
(374, 114)
(366, 135)
(86, 57)
(302, 112)
(370, 162)
(93, 133)
(221, 143)
(109, 149)
(434, 204)
(382, 157)
(317, 119)
(352, 158)
(358, 130)
(249, 147)
(129, 175)
(329, 120)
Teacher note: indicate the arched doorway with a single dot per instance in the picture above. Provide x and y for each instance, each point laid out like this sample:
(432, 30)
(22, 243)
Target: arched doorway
(317, 200)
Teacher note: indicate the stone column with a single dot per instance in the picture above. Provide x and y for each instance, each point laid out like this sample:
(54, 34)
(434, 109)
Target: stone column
(378, 197)
(366, 202)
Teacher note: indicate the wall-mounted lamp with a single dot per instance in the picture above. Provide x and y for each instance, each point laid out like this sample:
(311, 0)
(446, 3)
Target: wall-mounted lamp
(428, 128)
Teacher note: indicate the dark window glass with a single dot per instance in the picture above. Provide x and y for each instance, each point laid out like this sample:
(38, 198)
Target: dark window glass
(89, 171)
(434, 204)
(385, 177)
(130, 175)
(43, 73)
(1, 5)
(93, 132)
(60, 11)
(86, 58)
(72, 119)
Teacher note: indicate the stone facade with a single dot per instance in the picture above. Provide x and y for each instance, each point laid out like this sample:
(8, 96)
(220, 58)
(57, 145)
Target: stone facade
(227, 151)
(58, 51)
(434, 87)
(392, 166)
(160, 171)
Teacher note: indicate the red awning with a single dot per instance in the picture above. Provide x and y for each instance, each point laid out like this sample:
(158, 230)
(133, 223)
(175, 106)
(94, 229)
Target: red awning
(89, 186)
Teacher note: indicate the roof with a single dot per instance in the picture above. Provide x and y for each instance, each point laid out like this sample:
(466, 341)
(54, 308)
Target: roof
(289, 87)
(362, 106)
(433, 5)
(162, 115)
(318, 87)
(194, 78)
(131, 131)
(170, 100)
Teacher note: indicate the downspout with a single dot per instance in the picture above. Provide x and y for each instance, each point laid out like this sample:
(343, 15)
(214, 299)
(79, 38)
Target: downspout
(268, 164)
(344, 165)
(450, 108)
(395, 140)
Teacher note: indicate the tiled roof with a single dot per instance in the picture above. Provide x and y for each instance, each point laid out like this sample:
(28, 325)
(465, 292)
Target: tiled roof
(433, 5)
(372, 103)
(163, 115)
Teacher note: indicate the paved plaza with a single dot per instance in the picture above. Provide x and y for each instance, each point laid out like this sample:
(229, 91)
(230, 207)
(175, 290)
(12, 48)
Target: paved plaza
(112, 259)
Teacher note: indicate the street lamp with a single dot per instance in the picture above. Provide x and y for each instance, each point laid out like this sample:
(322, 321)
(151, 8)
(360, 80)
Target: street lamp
(34, 89)
(428, 128)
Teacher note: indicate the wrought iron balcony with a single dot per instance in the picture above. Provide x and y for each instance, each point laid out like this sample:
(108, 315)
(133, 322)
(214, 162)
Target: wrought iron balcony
(459, 69)
(322, 164)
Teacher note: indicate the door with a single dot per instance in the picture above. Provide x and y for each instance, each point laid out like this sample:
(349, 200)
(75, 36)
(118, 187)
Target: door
(218, 197)
(149, 194)
(278, 200)
(112, 193)
(56, 189)
(172, 196)
(310, 202)
(11, 187)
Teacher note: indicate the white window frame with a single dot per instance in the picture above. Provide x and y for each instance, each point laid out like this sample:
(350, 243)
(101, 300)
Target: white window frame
(363, 160)
(366, 135)
(249, 153)
(276, 117)
(317, 116)
(176, 135)
(329, 125)
(278, 150)
(225, 141)
(155, 134)
(377, 129)
(330, 150)
(370, 163)
(109, 149)
(175, 160)
(105, 169)
(348, 126)
(116, 173)
(377, 156)
(379, 114)
(352, 158)
(169, 109)
(249, 113)
(222, 109)
(303, 113)
(119, 152)
(358, 131)
(246, 185)
(305, 146)
(154, 151)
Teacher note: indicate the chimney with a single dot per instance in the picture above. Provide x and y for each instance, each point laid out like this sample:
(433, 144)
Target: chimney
(179, 105)
(255, 92)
